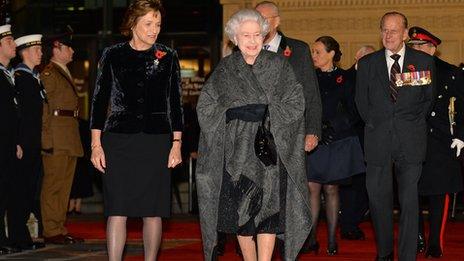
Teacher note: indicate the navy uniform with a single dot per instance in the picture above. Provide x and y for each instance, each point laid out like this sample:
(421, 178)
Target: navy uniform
(441, 173)
(28, 169)
(9, 111)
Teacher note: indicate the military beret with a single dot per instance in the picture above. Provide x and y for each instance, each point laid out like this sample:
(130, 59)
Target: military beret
(418, 35)
(64, 36)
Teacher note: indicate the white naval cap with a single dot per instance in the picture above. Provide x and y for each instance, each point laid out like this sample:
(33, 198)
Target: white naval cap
(28, 41)
(5, 30)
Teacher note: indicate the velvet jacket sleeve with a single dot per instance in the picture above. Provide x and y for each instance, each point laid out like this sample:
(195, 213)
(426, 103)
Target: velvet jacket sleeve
(101, 95)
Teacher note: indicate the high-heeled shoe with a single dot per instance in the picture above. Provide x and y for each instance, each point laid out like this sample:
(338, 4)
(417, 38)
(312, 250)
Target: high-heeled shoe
(420, 243)
(314, 248)
(332, 249)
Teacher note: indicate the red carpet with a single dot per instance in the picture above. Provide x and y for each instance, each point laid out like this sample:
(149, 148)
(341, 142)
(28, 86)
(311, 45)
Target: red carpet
(183, 231)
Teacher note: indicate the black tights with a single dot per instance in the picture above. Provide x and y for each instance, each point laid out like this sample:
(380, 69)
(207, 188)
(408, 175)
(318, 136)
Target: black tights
(332, 207)
(436, 205)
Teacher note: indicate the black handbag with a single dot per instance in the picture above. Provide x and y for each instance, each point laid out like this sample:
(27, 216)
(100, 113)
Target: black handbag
(265, 148)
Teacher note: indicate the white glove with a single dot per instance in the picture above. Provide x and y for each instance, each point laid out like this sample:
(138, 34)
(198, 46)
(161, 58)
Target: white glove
(458, 144)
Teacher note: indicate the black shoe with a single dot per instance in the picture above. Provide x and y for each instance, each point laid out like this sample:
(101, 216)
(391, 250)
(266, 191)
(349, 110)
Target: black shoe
(5, 250)
(433, 252)
(312, 248)
(420, 243)
(388, 257)
(32, 246)
(332, 249)
(357, 234)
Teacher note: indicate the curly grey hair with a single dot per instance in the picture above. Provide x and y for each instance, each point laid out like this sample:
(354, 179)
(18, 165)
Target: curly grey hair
(245, 15)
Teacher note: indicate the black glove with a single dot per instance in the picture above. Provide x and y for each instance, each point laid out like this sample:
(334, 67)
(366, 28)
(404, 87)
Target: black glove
(328, 133)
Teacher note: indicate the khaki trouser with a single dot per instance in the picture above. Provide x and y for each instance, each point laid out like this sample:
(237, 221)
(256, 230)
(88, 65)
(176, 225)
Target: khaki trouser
(54, 197)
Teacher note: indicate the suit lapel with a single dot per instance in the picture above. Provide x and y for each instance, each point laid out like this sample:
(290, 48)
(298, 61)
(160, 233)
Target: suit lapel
(408, 60)
(382, 72)
(283, 44)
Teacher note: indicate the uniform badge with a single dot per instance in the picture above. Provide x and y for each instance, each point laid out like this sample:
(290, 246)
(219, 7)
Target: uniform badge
(46, 73)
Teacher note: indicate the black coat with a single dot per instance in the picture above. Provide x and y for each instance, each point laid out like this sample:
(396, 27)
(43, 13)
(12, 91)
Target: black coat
(137, 91)
(406, 118)
(338, 108)
(442, 170)
(31, 97)
(9, 112)
(299, 57)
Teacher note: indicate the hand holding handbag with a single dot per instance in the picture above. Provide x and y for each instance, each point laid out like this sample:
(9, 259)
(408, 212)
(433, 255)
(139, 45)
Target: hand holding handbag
(265, 148)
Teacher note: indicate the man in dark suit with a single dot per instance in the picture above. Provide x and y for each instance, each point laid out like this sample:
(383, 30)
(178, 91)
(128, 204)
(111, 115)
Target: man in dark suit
(441, 173)
(394, 94)
(26, 179)
(9, 111)
(299, 57)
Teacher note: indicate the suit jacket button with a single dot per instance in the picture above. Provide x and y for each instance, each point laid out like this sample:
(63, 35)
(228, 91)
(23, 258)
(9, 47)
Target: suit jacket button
(446, 87)
(431, 130)
(139, 117)
(140, 84)
(141, 100)
(440, 96)
(433, 114)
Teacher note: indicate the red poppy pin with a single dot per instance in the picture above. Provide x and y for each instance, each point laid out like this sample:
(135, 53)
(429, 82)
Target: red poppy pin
(411, 68)
(287, 52)
(159, 54)
(339, 79)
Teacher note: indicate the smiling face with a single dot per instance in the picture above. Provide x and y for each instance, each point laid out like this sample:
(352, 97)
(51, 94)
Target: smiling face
(393, 33)
(249, 40)
(321, 58)
(272, 17)
(146, 30)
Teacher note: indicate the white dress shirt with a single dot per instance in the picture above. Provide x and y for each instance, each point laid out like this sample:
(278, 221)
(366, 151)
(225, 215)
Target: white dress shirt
(274, 43)
(390, 60)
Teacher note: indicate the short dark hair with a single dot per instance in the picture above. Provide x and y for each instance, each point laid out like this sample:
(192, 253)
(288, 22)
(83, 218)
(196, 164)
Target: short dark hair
(331, 44)
(136, 9)
(405, 19)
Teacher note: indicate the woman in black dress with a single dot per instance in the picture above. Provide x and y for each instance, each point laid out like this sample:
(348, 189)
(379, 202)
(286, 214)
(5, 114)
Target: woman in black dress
(338, 156)
(136, 124)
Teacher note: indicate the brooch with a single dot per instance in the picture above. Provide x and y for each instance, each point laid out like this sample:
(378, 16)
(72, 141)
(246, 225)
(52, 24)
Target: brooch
(339, 79)
(287, 51)
(158, 55)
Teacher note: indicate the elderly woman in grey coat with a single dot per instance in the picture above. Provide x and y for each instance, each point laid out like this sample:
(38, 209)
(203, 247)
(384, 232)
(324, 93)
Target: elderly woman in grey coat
(237, 193)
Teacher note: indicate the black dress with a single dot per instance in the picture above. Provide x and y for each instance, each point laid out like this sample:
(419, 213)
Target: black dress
(137, 106)
(342, 156)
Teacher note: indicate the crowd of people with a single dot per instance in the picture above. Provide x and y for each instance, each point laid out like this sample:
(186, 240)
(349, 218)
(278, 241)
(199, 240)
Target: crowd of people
(279, 125)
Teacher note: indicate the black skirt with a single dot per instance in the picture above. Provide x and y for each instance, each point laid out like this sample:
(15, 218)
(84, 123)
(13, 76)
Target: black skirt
(137, 181)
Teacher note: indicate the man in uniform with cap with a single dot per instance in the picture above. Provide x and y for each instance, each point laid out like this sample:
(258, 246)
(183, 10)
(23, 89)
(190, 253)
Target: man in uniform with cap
(9, 111)
(31, 95)
(441, 173)
(61, 144)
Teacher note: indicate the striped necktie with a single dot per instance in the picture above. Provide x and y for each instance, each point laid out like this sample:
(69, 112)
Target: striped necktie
(395, 69)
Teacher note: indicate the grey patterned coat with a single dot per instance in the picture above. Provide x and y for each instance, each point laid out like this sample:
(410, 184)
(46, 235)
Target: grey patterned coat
(231, 85)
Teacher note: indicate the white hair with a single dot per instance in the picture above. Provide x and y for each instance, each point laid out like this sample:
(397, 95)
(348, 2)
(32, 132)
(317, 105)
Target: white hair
(245, 15)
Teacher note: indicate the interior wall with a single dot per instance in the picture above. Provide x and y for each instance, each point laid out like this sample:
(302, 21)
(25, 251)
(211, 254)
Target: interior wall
(354, 23)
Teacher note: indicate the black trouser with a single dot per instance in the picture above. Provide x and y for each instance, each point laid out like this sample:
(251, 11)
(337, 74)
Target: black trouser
(22, 196)
(436, 206)
(379, 183)
(353, 203)
(7, 158)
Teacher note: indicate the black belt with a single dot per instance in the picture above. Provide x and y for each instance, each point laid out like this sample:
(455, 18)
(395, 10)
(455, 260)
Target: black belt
(249, 112)
(66, 113)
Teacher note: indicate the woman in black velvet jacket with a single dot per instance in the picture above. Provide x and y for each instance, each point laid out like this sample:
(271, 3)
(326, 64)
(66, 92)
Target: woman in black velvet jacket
(136, 123)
